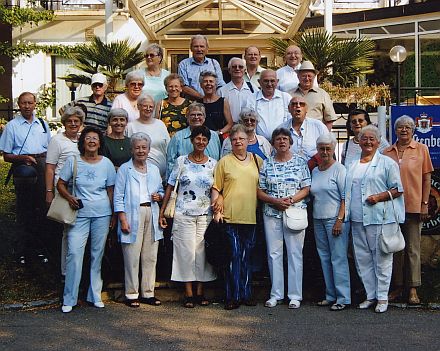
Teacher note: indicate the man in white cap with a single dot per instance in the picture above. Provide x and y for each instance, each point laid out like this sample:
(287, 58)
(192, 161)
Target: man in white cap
(320, 105)
(97, 105)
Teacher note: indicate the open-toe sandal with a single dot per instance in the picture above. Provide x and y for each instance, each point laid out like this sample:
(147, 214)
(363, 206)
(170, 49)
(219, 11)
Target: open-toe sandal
(134, 303)
(188, 302)
(152, 301)
(202, 300)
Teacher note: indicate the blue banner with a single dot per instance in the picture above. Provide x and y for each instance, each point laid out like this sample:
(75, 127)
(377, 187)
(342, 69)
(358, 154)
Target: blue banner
(427, 121)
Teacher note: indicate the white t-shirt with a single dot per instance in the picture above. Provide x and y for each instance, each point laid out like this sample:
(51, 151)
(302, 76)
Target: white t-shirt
(144, 195)
(356, 204)
(59, 150)
(122, 101)
(160, 138)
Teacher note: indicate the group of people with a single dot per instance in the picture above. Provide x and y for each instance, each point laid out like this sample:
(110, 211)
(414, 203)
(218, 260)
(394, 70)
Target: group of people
(224, 148)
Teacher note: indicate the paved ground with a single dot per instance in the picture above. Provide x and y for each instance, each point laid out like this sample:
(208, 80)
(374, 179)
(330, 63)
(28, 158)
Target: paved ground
(171, 327)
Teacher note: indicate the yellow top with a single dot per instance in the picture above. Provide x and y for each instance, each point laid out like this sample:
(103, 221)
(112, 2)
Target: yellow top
(238, 182)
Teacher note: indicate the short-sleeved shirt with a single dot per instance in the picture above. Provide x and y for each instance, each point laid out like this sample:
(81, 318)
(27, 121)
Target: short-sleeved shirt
(328, 190)
(237, 98)
(238, 183)
(414, 164)
(59, 150)
(154, 86)
(319, 103)
(282, 179)
(195, 182)
(122, 101)
(287, 78)
(117, 150)
(190, 69)
(91, 185)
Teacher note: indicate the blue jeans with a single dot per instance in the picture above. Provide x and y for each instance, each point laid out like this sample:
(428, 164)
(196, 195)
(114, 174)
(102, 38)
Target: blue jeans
(332, 251)
(77, 237)
(238, 280)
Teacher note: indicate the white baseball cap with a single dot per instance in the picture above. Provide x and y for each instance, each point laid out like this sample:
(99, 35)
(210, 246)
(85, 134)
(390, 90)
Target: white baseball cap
(99, 78)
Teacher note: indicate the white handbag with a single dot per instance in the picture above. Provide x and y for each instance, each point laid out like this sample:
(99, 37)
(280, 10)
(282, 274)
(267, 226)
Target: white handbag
(392, 241)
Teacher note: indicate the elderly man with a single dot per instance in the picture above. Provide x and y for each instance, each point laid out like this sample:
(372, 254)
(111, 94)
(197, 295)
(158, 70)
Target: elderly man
(270, 104)
(180, 143)
(191, 67)
(97, 105)
(237, 91)
(253, 69)
(304, 130)
(320, 105)
(24, 143)
(287, 77)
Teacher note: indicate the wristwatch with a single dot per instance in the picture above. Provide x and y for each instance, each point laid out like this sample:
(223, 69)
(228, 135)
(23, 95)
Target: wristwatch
(220, 132)
(424, 202)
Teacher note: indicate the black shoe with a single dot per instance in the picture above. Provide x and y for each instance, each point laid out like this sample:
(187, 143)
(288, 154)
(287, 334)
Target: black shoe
(250, 302)
(231, 305)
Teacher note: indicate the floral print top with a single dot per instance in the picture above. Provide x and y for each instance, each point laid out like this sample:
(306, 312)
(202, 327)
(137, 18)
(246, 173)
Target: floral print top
(173, 116)
(195, 182)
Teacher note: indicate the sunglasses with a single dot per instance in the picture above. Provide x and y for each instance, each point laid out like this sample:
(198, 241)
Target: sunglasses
(298, 103)
(237, 66)
(151, 55)
(136, 85)
(356, 121)
(249, 120)
(97, 85)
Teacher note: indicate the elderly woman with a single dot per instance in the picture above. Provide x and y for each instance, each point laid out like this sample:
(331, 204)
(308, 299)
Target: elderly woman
(154, 74)
(257, 144)
(218, 113)
(134, 82)
(415, 170)
(195, 173)
(328, 190)
(172, 110)
(116, 144)
(370, 211)
(357, 119)
(138, 190)
(236, 179)
(155, 128)
(180, 143)
(61, 147)
(284, 181)
(95, 177)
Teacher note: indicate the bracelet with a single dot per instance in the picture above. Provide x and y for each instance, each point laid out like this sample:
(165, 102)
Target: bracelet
(340, 218)
(49, 191)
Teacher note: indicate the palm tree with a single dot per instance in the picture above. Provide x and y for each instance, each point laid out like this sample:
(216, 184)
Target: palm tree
(338, 61)
(113, 60)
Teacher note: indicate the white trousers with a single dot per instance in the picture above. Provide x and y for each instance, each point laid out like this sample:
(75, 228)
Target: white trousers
(375, 267)
(145, 251)
(276, 233)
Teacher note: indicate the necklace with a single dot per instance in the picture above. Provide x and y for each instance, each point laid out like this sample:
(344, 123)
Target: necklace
(253, 139)
(355, 140)
(196, 159)
(238, 158)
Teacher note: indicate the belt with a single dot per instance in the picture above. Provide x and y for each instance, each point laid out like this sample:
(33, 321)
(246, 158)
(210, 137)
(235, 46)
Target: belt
(145, 204)
(43, 154)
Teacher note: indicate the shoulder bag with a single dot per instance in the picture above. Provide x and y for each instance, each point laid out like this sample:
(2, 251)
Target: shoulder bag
(393, 241)
(170, 209)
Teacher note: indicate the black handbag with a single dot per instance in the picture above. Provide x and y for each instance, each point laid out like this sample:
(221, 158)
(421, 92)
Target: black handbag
(217, 247)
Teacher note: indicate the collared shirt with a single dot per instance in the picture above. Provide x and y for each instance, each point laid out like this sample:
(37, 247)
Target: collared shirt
(282, 179)
(180, 145)
(304, 143)
(237, 98)
(14, 139)
(190, 69)
(287, 78)
(97, 113)
(414, 163)
(319, 103)
(382, 174)
(255, 77)
(272, 112)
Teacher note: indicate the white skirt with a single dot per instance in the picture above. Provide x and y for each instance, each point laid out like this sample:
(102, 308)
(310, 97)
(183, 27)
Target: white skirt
(189, 261)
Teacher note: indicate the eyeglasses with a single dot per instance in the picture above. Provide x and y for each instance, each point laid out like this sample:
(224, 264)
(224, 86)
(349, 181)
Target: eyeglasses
(239, 139)
(249, 120)
(151, 55)
(73, 122)
(97, 85)
(237, 66)
(298, 103)
(196, 115)
(356, 121)
(91, 138)
(136, 85)
(404, 128)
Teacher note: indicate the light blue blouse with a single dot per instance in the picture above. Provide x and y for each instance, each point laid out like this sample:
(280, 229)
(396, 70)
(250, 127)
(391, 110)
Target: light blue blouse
(127, 199)
(382, 175)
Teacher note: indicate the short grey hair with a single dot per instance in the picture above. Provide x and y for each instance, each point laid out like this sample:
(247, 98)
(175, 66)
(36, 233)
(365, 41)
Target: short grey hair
(144, 97)
(139, 136)
(405, 120)
(196, 106)
(248, 112)
(155, 47)
(327, 138)
(118, 112)
(370, 128)
(75, 111)
(208, 74)
(237, 128)
(243, 62)
(201, 37)
(134, 75)
(281, 131)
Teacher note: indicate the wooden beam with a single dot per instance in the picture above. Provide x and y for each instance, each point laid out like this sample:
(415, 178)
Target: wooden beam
(163, 9)
(263, 12)
(281, 8)
(298, 19)
(137, 16)
(141, 4)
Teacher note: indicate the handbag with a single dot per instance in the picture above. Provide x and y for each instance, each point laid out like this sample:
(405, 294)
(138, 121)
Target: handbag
(60, 210)
(218, 250)
(392, 241)
(170, 208)
(294, 217)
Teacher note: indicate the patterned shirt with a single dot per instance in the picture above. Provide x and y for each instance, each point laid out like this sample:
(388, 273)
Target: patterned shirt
(174, 116)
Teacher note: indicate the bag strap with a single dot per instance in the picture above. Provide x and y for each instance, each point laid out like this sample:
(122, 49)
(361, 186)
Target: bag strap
(176, 184)
(75, 172)
(251, 88)
(42, 124)
(394, 209)
(345, 152)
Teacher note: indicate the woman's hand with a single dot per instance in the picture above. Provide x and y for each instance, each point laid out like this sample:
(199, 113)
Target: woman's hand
(218, 217)
(424, 213)
(49, 198)
(372, 199)
(337, 228)
(73, 202)
(217, 204)
(162, 221)
(113, 221)
(125, 227)
(156, 197)
(281, 204)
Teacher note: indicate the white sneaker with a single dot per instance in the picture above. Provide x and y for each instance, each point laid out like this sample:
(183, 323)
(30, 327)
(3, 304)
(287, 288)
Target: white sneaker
(366, 304)
(66, 309)
(99, 304)
(294, 304)
(272, 302)
(381, 307)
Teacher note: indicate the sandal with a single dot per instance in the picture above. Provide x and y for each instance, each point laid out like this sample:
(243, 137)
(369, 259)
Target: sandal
(152, 301)
(134, 303)
(201, 300)
(325, 303)
(338, 307)
(188, 302)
